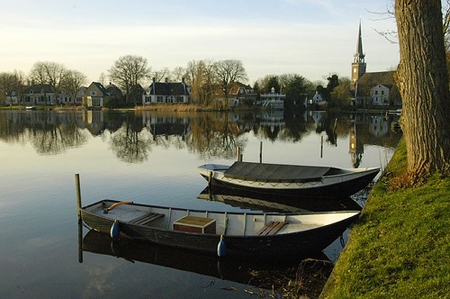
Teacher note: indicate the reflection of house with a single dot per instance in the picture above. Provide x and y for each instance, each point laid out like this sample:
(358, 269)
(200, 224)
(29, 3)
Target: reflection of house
(379, 126)
(165, 126)
(371, 89)
(166, 92)
(94, 122)
(42, 94)
(95, 95)
(273, 100)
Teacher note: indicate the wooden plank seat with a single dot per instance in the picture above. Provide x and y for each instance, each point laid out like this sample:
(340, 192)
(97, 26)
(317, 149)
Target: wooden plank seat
(271, 228)
(144, 219)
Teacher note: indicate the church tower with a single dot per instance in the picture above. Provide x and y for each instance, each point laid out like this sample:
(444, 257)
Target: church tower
(359, 63)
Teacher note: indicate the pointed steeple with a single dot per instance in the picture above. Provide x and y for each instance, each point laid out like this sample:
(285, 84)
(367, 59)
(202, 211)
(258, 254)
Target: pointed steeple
(359, 62)
(359, 55)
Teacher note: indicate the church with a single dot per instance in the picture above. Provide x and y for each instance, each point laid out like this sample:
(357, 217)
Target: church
(371, 89)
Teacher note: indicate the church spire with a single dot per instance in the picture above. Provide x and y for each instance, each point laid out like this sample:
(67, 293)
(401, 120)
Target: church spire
(359, 63)
(359, 55)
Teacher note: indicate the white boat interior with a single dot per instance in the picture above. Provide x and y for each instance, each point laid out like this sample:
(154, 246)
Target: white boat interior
(236, 224)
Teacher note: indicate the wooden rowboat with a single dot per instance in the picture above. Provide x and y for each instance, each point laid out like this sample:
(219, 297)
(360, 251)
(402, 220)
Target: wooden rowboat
(253, 234)
(280, 179)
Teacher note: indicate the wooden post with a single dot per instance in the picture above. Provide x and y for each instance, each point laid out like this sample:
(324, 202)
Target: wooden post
(321, 146)
(210, 180)
(260, 152)
(77, 185)
(80, 242)
(238, 154)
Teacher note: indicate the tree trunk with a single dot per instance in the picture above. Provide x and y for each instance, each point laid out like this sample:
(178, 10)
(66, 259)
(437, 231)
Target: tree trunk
(422, 79)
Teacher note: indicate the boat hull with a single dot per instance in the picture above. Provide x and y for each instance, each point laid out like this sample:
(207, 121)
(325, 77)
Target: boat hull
(330, 187)
(299, 243)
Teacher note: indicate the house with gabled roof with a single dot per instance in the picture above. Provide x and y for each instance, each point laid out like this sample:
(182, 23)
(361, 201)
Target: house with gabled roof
(377, 89)
(243, 93)
(39, 94)
(95, 96)
(115, 92)
(167, 92)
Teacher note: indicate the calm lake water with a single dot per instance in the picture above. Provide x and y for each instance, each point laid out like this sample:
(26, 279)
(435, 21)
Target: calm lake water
(148, 158)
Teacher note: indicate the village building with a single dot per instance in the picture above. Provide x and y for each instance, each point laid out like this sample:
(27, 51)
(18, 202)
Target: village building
(166, 92)
(12, 98)
(40, 94)
(115, 93)
(369, 89)
(241, 94)
(273, 100)
(95, 96)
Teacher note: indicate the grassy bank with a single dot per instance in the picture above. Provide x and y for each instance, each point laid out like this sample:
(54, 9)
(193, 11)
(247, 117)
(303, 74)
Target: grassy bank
(400, 247)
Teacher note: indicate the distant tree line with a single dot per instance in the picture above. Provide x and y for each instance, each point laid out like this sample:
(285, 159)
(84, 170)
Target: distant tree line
(208, 79)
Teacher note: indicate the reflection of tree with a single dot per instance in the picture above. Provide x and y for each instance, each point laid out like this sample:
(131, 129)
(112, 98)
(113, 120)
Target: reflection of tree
(215, 136)
(130, 143)
(50, 136)
(287, 127)
(207, 134)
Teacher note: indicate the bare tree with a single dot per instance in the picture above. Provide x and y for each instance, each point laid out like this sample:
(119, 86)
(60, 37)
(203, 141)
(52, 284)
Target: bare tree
(73, 80)
(178, 73)
(422, 79)
(129, 71)
(228, 72)
(201, 76)
(161, 74)
(8, 84)
(48, 73)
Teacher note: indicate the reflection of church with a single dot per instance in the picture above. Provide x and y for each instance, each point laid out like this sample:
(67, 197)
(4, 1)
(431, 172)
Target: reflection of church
(356, 148)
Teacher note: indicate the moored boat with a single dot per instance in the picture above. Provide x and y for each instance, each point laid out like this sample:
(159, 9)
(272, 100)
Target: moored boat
(247, 234)
(281, 179)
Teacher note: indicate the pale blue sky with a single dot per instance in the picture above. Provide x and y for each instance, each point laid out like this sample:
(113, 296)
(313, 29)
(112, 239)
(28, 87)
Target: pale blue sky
(313, 38)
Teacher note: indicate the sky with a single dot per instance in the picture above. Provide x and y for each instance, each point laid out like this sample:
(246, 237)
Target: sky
(312, 38)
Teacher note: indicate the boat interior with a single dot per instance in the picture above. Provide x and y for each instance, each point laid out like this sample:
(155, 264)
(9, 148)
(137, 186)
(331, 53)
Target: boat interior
(193, 221)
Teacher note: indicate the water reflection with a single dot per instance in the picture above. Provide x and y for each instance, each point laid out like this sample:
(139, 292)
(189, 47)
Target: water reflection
(268, 203)
(133, 135)
(267, 275)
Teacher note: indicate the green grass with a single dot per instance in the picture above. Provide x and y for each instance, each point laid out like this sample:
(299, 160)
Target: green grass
(400, 247)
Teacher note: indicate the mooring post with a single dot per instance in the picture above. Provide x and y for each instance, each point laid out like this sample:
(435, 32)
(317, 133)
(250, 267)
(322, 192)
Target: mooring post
(80, 242)
(238, 154)
(210, 180)
(260, 152)
(77, 185)
(321, 146)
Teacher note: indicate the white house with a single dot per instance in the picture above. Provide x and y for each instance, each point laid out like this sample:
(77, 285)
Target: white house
(380, 94)
(273, 100)
(166, 92)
